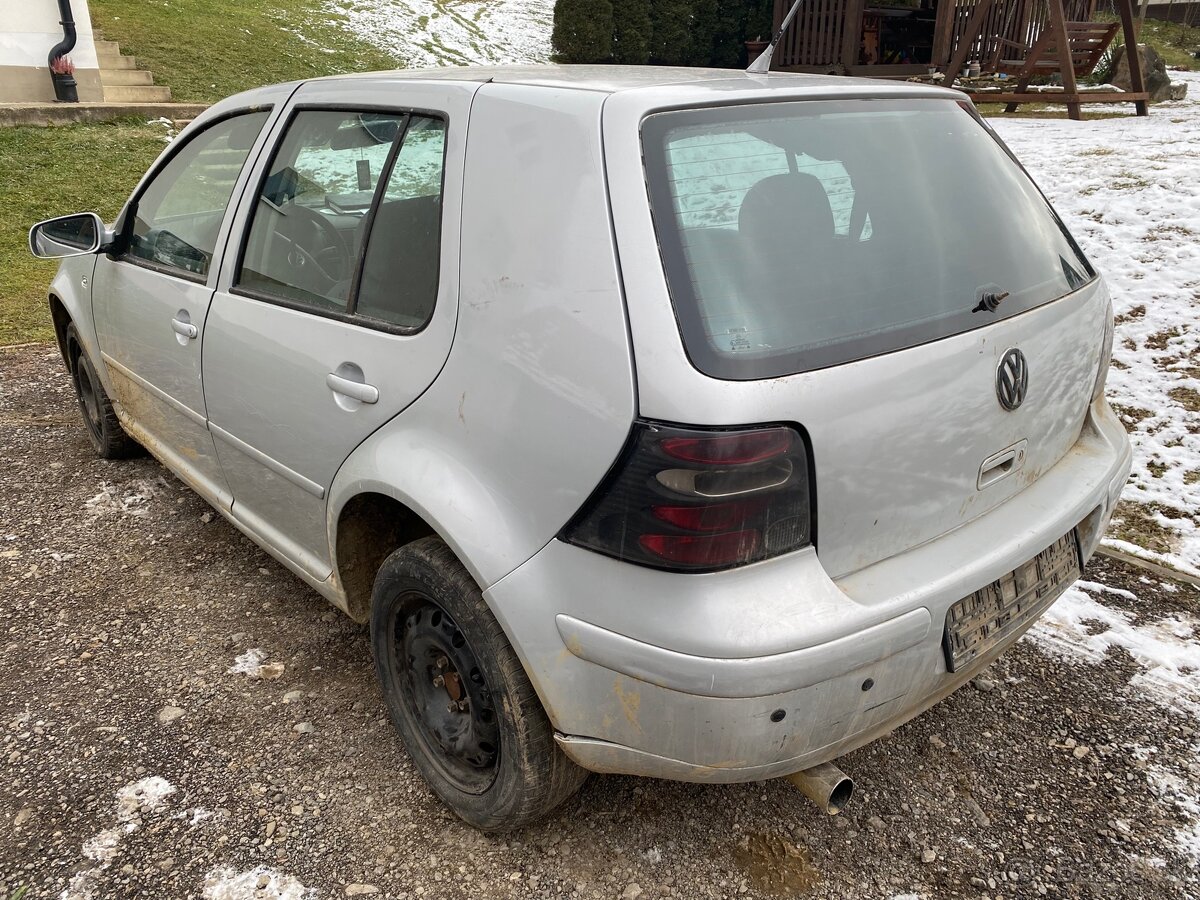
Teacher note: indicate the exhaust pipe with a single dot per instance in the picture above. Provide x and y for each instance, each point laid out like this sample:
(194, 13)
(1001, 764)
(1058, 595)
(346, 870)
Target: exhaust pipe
(825, 785)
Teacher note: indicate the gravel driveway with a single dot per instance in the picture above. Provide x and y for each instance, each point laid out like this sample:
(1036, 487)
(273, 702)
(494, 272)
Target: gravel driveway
(182, 718)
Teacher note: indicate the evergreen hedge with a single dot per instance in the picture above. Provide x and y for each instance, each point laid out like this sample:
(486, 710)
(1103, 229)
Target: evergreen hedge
(663, 32)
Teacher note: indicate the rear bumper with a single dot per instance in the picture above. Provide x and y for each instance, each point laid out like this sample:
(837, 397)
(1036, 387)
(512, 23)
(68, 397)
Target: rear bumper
(771, 668)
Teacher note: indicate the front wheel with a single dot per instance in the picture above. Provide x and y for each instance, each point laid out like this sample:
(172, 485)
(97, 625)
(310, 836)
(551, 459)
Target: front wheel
(459, 696)
(104, 430)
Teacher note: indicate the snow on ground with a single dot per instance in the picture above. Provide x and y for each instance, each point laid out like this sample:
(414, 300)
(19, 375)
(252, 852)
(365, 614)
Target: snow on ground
(1079, 627)
(452, 32)
(1129, 190)
(134, 800)
(260, 883)
(253, 663)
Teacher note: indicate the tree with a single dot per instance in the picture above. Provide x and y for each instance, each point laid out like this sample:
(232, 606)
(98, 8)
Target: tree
(631, 32)
(729, 35)
(702, 32)
(671, 22)
(583, 30)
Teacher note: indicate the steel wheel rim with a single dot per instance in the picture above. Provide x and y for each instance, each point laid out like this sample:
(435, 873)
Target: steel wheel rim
(445, 694)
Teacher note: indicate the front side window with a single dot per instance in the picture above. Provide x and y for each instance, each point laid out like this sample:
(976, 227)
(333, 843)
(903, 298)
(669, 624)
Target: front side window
(802, 235)
(341, 182)
(178, 216)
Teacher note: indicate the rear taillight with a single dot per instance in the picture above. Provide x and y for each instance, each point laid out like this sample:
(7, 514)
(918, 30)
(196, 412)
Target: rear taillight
(698, 500)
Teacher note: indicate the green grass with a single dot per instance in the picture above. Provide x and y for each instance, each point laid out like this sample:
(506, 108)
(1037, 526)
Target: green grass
(1174, 42)
(55, 171)
(205, 50)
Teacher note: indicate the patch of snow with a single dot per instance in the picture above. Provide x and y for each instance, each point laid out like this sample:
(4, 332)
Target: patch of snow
(1078, 627)
(132, 499)
(1166, 559)
(253, 664)
(145, 796)
(1181, 793)
(260, 883)
(249, 663)
(1097, 588)
(104, 845)
(467, 32)
(1127, 189)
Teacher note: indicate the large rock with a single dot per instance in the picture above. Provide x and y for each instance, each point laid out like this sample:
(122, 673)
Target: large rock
(1154, 73)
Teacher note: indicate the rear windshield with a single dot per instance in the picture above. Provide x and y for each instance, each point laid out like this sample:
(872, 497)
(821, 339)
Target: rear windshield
(797, 236)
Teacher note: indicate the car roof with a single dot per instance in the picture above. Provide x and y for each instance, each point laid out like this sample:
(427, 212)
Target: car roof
(615, 79)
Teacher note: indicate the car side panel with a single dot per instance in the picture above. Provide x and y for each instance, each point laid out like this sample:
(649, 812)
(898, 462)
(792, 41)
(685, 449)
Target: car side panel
(537, 395)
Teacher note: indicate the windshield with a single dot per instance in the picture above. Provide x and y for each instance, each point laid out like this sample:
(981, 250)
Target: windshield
(797, 236)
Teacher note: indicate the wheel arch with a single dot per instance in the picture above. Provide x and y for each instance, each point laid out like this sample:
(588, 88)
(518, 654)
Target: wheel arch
(61, 320)
(369, 527)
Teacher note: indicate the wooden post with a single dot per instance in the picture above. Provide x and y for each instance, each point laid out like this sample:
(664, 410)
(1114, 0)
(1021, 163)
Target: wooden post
(943, 32)
(1066, 65)
(1137, 82)
(852, 35)
(970, 33)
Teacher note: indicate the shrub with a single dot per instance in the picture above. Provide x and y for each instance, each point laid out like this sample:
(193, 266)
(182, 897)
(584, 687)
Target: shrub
(583, 30)
(631, 32)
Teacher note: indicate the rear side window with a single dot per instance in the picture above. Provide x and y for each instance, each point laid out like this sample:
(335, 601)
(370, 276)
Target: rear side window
(348, 217)
(179, 213)
(797, 236)
(400, 271)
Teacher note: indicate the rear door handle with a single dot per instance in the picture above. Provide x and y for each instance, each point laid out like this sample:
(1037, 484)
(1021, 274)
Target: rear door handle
(184, 329)
(355, 390)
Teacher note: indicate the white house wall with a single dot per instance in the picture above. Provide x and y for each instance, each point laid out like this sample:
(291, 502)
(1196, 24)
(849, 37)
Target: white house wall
(28, 29)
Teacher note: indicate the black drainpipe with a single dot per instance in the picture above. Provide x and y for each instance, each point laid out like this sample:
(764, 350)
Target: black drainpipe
(63, 47)
(65, 88)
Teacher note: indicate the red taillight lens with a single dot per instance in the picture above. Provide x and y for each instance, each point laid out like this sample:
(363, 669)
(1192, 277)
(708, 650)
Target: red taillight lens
(715, 517)
(697, 500)
(734, 449)
(710, 550)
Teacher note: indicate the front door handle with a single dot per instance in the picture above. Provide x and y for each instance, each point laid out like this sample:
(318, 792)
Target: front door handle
(355, 390)
(184, 329)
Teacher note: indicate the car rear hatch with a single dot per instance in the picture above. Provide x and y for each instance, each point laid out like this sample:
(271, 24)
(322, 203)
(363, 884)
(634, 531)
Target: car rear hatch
(880, 273)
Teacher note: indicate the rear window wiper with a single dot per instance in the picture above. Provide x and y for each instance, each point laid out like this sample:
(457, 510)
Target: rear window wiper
(989, 300)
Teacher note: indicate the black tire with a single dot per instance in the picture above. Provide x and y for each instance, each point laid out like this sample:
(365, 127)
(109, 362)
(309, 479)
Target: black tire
(100, 421)
(495, 762)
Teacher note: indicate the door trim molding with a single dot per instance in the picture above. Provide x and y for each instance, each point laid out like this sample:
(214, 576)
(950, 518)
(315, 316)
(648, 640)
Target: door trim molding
(162, 395)
(305, 484)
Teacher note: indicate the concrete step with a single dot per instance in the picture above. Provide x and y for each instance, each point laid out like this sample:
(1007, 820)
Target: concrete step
(139, 93)
(114, 61)
(108, 47)
(113, 77)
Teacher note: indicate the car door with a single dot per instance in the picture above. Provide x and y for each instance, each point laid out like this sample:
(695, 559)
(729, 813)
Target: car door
(340, 308)
(151, 299)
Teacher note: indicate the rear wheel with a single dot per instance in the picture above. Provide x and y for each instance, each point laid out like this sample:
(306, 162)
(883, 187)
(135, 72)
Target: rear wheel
(459, 696)
(104, 430)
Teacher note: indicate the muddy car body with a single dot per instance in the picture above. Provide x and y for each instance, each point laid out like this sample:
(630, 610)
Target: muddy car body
(741, 417)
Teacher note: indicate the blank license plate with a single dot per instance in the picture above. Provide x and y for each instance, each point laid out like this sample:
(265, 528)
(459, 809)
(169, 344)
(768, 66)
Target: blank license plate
(976, 624)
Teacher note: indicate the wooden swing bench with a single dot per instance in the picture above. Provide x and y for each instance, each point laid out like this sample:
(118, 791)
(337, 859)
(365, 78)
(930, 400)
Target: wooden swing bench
(1085, 43)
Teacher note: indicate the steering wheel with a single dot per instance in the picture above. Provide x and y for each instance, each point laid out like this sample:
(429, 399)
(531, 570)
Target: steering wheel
(316, 251)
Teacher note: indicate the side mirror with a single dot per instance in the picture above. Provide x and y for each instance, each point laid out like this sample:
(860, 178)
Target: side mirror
(76, 235)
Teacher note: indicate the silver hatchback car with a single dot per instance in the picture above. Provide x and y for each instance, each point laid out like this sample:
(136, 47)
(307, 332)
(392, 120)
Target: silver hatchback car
(692, 424)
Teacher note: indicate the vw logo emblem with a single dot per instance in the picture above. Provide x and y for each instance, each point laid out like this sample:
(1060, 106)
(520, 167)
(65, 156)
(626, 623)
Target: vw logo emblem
(1012, 379)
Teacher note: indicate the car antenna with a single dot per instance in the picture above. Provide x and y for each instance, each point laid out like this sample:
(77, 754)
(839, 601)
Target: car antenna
(762, 64)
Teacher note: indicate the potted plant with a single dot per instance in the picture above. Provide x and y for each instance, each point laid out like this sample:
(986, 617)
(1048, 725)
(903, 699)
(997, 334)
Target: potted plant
(62, 70)
(755, 47)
